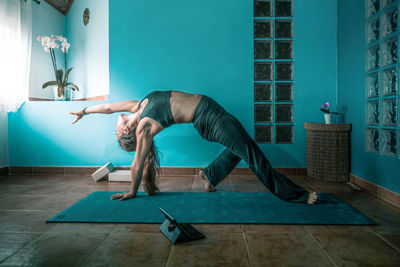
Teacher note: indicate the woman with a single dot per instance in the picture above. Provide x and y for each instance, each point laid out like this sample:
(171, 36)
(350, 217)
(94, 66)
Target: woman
(161, 109)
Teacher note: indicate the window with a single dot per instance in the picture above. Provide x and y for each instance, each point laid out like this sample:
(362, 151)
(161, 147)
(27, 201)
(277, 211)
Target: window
(274, 71)
(15, 48)
(382, 83)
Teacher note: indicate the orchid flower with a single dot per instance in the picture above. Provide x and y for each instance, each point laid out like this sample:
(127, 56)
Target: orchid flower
(325, 109)
(65, 46)
(49, 45)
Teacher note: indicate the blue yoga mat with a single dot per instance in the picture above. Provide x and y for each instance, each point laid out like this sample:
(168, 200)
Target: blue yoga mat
(216, 208)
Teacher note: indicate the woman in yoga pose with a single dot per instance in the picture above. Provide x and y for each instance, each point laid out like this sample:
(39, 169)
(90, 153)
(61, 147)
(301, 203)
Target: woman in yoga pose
(161, 109)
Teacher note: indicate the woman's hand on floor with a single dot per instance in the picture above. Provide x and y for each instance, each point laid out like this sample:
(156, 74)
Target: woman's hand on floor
(79, 114)
(123, 196)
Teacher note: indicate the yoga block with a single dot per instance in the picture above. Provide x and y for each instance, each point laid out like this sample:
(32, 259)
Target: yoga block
(102, 171)
(120, 176)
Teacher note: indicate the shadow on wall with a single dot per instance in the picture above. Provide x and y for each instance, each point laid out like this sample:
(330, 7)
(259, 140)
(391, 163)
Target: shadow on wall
(284, 159)
(177, 145)
(343, 109)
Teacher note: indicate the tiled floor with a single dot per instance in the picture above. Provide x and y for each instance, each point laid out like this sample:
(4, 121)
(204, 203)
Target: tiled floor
(26, 240)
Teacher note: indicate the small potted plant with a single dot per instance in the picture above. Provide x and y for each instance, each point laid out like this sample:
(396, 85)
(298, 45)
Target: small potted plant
(327, 113)
(60, 85)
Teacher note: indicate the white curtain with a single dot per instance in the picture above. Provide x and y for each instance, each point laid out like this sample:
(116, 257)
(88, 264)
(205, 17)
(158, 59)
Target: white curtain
(15, 52)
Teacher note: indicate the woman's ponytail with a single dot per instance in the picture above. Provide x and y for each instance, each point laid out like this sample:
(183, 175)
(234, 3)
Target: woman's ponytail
(151, 171)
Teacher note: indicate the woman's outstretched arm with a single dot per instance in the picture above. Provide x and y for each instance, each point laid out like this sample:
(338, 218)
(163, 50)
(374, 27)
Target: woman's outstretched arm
(108, 108)
(144, 141)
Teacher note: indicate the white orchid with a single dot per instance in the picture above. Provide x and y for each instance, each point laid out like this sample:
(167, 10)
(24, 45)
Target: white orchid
(49, 44)
(65, 46)
(52, 44)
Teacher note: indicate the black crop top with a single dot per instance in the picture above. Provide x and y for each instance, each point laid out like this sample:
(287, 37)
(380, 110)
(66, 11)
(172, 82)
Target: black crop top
(158, 108)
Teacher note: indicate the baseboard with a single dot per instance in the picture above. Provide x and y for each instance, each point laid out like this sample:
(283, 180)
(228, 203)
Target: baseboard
(166, 171)
(4, 170)
(378, 191)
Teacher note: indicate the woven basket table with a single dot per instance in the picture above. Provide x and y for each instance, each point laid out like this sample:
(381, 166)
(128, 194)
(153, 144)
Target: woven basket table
(328, 151)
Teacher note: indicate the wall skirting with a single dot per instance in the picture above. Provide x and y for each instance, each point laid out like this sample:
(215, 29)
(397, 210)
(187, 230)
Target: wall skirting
(378, 191)
(167, 171)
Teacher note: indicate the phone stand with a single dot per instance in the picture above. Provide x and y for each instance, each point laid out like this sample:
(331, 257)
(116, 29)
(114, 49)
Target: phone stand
(178, 232)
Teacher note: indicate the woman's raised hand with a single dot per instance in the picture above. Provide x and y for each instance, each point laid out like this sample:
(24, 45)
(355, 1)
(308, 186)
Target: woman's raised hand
(79, 114)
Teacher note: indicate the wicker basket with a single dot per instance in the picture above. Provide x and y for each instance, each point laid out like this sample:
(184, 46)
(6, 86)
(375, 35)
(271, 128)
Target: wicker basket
(328, 151)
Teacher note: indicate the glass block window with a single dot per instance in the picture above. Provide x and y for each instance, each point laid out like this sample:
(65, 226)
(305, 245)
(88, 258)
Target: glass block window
(274, 71)
(382, 131)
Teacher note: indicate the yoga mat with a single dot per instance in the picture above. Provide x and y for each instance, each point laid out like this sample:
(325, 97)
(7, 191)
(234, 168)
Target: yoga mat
(216, 208)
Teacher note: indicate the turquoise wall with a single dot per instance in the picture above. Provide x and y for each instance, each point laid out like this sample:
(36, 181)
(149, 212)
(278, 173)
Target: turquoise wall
(196, 46)
(378, 169)
(88, 54)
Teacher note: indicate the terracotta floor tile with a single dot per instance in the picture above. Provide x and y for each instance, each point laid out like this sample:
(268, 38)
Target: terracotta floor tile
(121, 187)
(46, 189)
(247, 183)
(176, 183)
(301, 181)
(49, 180)
(89, 228)
(25, 221)
(244, 178)
(32, 180)
(393, 239)
(290, 249)
(325, 186)
(272, 229)
(137, 228)
(218, 249)
(211, 229)
(387, 221)
(134, 249)
(10, 189)
(56, 249)
(81, 189)
(177, 178)
(366, 202)
(58, 202)
(355, 246)
(11, 243)
(21, 202)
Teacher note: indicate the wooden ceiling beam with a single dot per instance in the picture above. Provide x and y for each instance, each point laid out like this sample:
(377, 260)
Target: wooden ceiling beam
(68, 7)
(61, 8)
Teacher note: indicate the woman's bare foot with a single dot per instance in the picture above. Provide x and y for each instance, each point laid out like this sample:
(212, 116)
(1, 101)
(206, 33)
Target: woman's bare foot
(209, 187)
(312, 197)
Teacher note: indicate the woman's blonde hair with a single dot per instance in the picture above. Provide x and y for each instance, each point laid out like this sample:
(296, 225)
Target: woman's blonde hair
(151, 163)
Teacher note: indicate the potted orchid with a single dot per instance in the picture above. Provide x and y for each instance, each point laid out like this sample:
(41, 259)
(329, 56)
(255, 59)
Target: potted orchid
(327, 113)
(60, 85)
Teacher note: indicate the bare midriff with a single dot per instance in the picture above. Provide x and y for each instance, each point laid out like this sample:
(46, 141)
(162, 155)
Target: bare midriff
(183, 106)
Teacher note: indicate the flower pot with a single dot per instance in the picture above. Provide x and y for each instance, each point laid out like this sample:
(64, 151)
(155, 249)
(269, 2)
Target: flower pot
(327, 118)
(66, 95)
